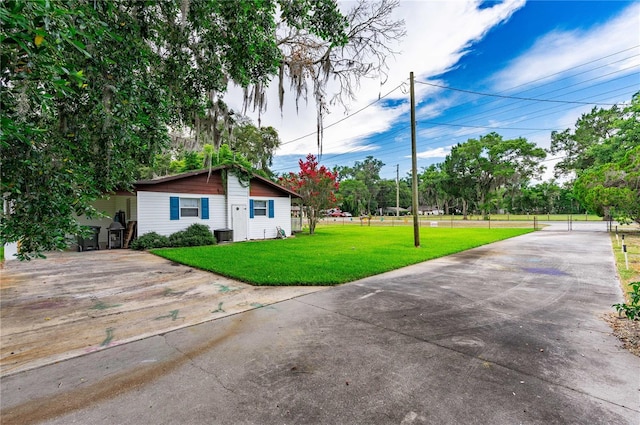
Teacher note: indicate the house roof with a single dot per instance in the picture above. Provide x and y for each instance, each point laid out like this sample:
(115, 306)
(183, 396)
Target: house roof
(173, 177)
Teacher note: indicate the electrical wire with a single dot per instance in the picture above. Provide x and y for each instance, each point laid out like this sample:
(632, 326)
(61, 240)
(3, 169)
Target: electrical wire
(345, 118)
(574, 102)
(498, 96)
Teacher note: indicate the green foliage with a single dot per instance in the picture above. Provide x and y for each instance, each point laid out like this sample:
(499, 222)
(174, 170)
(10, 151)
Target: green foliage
(611, 185)
(194, 235)
(317, 186)
(256, 144)
(333, 255)
(432, 188)
(149, 241)
(477, 168)
(366, 172)
(90, 88)
(592, 143)
(631, 310)
(351, 196)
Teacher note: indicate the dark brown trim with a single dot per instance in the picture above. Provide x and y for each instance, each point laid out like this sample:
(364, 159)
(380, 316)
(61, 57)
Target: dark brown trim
(170, 183)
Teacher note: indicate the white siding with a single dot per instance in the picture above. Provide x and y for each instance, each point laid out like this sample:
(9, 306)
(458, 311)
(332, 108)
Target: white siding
(263, 227)
(154, 216)
(106, 206)
(10, 251)
(236, 195)
(128, 205)
(110, 206)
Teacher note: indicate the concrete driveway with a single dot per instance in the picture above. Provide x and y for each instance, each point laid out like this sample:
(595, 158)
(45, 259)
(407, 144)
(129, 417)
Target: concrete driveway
(75, 303)
(507, 333)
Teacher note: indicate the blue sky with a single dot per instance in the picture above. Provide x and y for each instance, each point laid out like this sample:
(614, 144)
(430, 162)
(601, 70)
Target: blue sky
(561, 51)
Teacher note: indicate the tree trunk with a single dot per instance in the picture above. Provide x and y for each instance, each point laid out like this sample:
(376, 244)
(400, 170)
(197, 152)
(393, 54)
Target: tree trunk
(313, 220)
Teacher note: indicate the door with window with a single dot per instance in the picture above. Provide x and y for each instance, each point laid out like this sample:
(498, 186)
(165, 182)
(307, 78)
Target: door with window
(239, 222)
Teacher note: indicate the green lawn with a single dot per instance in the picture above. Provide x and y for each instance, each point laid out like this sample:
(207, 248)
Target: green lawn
(335, 254)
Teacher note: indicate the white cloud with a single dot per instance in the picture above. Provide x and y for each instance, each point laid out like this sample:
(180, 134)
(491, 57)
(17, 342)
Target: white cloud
(556, 52)
(439, 33)
(440, 152)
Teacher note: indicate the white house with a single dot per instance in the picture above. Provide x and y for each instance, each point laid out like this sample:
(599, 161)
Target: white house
(216, 198)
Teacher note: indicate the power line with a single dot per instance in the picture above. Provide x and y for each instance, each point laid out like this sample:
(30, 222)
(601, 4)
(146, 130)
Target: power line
(511, 97)
(513, 106)
(502, 96)
(345, 118)
(551, 82)
(497, 95)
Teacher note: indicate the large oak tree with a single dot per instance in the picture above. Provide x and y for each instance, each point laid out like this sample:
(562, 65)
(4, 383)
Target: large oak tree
(90, 90)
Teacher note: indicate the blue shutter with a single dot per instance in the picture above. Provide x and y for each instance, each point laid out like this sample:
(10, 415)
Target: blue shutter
(204, 208)
(250, 208)
(174, 208)
(271, 208)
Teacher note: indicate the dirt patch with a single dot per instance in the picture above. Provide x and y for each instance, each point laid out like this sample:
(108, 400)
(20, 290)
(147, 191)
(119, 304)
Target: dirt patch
(627, 331)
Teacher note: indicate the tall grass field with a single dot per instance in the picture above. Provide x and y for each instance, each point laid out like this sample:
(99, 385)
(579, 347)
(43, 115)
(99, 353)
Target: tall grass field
(333, 255)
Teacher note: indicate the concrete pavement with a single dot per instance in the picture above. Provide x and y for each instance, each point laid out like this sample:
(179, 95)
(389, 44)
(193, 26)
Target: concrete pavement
(75, 303)
(502, 334)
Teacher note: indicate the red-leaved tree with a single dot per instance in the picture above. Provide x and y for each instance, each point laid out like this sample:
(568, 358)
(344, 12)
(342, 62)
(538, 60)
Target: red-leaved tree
(316, 184)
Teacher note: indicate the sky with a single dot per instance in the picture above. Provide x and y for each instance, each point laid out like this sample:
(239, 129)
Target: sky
(519, 68)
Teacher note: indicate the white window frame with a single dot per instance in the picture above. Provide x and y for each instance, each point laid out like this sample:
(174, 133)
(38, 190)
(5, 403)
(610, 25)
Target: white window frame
(260, 208)
(184, 207)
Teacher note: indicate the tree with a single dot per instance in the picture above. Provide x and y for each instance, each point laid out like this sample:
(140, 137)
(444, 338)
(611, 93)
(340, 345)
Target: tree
(342, 49)
(477, 168)
(368, 172)
(461, 170)
(258, 145)
(90, 90)
(317, 186)
(386, 197)
(351, 195)
(582, 148)
(612, 190)
(431, 188)
(608, 165)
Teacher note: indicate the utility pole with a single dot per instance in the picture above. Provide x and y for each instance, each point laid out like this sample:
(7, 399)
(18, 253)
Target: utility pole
(414, 166)
(397, 190)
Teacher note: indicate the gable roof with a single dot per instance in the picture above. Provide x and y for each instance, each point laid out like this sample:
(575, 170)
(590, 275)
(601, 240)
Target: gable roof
(187, 174)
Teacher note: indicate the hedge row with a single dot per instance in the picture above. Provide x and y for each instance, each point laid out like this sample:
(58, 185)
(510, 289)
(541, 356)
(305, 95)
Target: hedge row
(194, 235)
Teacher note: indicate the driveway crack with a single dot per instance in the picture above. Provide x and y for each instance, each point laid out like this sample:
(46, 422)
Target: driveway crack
(481, 358)
(193, 363)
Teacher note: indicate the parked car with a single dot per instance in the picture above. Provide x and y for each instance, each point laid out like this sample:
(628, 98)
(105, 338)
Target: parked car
(346, 214)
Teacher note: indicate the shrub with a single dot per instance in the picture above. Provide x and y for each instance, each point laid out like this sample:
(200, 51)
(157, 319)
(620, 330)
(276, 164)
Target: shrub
(150, 240)
(631, 310)
(194, 235)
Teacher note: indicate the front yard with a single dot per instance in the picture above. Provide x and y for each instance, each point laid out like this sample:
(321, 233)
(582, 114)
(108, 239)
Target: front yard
(334, 255)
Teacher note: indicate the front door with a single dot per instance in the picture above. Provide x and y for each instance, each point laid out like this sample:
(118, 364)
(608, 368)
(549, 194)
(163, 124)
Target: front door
(239, 222)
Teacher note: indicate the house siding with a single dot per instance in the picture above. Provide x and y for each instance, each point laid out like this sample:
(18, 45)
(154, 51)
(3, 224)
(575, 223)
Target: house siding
(150, 205)
(259, 188)
(153, 213)
(193, 185)
(263, 227)
(236, 195)
(110, 206)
